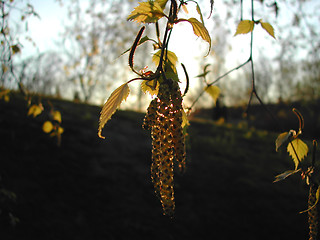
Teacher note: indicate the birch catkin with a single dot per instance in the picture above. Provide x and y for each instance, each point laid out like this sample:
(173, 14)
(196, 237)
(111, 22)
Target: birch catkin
(164, 118)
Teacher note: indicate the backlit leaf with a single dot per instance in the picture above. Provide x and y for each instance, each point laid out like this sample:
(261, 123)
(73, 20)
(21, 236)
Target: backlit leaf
(172, 58)
(35, 110)
(185, 120)
(268, 27)
(214, 92)
(57, 116)
(200, 30)
(60, 130)
(146, 12)
(47, 127)
(298, 150)
(245, 26)
(162, 3)
(151, 87)
(112, 104)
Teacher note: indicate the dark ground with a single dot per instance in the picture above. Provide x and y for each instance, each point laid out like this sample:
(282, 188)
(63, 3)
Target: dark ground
(94, 189)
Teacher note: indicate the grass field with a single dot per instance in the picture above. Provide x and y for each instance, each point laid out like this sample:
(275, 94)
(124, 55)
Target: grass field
(89, 188)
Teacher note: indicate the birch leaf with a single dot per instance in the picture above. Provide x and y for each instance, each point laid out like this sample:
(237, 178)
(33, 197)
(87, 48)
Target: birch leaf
(268, 27)
(200, 30)
(57, 116)
(151, 87)
(172, 58)
(297, 149)
(286, 174)
(162, 3)
(112, 104)
(35, 110)
(146, 12)
(245, 26)
(47, 127)
(200, 14)
(284, 137)
(214, 92)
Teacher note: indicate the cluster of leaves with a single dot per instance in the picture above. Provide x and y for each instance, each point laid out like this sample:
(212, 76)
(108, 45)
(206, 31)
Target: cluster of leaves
(167, 115)
(247, 26)
(51, 126)
(165, 60)
(298, 150)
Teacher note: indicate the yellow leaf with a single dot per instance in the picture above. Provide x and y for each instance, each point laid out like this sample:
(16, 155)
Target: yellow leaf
(60, 130)
(56, 116)
(185, 121)
(4, 94)
(200, 30)
(268, 27)
(162, 3)
(172, 58)
(151, 87)
(214, 92)
(244, 27)
(47, 127)
(35, 110)
(146, 12)
(6, 98)
(112, 104)
(297, 149)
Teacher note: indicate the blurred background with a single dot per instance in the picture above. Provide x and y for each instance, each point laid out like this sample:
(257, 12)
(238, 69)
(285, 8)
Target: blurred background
(72, 49)
(68, 56)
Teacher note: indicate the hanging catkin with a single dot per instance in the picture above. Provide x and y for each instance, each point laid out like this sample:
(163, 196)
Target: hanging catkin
(164, 118)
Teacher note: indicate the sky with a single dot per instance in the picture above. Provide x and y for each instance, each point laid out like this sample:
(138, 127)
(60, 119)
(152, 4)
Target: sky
(46, 30)
(189, 48)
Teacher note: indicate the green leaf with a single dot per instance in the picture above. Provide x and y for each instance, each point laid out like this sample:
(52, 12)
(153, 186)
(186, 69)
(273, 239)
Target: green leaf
(146, 12)
(298, 150)
(112, 104)
(244, 27)
(199, 30)
(268, 27)
(214, 92)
